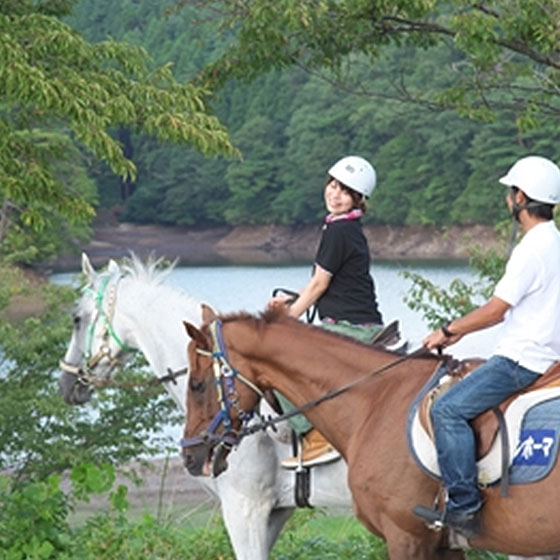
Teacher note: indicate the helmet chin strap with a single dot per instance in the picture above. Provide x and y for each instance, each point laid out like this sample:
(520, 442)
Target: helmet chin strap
(516, 208)
(514, 230)
(514, 213)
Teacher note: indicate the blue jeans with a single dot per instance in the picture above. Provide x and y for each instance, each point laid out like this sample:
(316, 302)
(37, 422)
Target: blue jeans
(485, 387)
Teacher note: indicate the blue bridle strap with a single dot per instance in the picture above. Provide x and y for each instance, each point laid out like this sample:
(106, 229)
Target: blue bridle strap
(224, 377)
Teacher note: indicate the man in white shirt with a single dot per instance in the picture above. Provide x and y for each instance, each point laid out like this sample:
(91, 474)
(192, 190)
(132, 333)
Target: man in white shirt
(527, 301)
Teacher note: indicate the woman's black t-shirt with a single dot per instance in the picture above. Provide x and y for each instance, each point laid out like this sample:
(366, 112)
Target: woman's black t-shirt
(343, 252)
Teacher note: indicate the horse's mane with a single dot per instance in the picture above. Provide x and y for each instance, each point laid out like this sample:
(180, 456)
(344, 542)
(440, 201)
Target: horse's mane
(268, 316)
(278, 315)
(152, 274)
(153, 271)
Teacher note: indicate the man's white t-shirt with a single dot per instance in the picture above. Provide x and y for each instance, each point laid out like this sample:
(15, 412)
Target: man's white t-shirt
(531, 285)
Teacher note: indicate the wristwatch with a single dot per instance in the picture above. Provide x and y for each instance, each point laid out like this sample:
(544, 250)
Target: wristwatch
(445, 330)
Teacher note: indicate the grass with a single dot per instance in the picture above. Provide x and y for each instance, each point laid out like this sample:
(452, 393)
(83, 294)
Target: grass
(197, 530)
(317, 535)
(339, 534)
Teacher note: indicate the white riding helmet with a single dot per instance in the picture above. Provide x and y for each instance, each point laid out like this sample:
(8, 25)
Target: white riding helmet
(537, 177)
(355, 172)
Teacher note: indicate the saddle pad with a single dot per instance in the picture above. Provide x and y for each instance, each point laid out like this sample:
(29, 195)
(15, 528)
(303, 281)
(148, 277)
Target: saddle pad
(535, 454)
(531, 412)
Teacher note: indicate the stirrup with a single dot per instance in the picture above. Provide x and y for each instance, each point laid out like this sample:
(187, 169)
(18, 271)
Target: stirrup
(468, 524)
(433, 518)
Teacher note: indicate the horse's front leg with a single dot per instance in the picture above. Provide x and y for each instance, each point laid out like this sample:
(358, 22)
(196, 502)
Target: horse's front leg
(246, 521)
(248, 496)
(406, 540)
(252, 525)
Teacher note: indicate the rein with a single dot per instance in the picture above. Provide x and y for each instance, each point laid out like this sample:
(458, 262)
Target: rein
(233, 437)
(270, 421)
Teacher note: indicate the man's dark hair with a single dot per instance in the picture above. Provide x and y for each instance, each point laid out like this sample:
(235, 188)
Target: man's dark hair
(537, 208)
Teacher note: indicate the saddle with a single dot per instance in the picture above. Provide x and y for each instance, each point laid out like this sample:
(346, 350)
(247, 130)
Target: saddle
(486, 425)
(389, 338)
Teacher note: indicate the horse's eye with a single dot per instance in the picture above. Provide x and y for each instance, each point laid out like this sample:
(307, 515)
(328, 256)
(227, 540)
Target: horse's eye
(196, 386)
(76, 319)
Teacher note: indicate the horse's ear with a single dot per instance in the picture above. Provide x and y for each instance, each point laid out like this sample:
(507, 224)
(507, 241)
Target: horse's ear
(87, 268)
(113, 267)
(208, 314)
(196, 335)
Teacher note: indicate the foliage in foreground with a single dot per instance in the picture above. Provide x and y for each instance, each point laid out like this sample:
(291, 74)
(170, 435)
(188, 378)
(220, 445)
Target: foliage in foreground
(40, 434)
(61, 96)
(34, 525)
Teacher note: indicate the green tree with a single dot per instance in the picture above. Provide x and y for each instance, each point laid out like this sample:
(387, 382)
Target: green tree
(392, 103)
(509, 48)
(22, 244)
(252, 182)
(319, 131)
(53, 80)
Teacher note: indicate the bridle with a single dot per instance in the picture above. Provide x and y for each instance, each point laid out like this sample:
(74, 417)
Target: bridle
(224, 377)
(84, 373)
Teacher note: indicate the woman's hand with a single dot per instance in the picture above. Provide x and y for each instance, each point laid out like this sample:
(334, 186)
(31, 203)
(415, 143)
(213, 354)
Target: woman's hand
(279, 301)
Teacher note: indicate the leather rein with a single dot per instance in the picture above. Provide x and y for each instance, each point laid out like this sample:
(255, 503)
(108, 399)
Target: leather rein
(225, 375)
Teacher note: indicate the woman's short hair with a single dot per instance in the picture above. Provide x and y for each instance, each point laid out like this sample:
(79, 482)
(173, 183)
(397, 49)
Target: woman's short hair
(358, 199)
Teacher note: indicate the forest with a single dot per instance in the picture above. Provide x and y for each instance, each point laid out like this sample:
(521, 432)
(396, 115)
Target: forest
(201, 112)
(435, 165)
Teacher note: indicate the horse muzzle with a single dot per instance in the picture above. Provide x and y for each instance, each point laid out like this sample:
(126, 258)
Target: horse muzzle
(73, 384)
(205, 460)
(73, 390)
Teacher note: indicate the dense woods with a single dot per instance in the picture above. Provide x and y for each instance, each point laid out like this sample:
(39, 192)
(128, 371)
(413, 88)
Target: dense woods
(290, 123)
(130, 107)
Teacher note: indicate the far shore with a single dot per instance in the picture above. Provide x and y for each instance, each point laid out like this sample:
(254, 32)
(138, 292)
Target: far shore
(269, 244)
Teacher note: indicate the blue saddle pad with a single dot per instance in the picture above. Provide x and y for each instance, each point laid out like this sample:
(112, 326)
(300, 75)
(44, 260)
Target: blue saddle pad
(536, 452)
(535, 455)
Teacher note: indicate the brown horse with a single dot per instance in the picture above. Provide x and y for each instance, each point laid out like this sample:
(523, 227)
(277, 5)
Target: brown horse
(366, 423)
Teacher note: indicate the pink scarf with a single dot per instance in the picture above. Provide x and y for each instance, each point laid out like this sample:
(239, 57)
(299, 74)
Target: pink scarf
(355, 214)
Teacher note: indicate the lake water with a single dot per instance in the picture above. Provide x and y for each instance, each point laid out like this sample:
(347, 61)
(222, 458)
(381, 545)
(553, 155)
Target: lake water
(248, 288)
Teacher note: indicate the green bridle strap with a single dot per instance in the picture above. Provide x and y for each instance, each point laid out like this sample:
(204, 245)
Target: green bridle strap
(105, 317)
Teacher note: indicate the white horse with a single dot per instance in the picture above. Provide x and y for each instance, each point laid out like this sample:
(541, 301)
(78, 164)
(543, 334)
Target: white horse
(127, 308)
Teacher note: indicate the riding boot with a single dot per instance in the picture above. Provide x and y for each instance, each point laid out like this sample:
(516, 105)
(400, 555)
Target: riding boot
(315, 450)
(466, 523)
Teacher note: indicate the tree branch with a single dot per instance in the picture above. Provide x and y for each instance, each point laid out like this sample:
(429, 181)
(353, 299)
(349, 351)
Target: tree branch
(410, 26)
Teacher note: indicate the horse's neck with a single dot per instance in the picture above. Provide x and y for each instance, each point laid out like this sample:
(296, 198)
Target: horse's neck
(305, 366)
(153, 318)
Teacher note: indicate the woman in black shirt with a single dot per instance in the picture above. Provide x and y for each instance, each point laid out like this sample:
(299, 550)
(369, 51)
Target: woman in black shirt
(341, 285)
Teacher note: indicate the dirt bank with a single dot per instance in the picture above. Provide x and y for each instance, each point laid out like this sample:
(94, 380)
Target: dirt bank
(269, 244)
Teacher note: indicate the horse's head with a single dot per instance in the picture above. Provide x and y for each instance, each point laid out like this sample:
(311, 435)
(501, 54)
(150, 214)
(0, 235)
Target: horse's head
(218, 397)
(95, 347)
